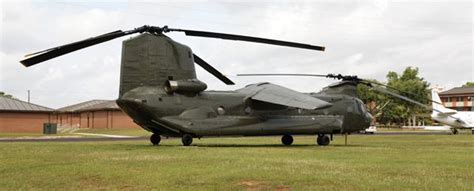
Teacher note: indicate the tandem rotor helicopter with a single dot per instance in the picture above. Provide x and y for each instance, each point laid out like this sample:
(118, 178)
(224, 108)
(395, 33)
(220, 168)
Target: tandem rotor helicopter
(160, 92)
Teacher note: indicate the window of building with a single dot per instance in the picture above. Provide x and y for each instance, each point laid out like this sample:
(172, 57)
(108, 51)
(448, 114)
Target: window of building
(459, 99)
(448, 99)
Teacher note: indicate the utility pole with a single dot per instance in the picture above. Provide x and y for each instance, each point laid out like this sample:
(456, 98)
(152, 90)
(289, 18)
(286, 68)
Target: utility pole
(28, 96)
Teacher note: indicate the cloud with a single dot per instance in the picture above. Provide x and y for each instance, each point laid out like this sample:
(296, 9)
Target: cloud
(365, 38)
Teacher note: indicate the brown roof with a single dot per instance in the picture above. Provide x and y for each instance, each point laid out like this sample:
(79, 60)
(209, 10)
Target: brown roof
(8, 104)
(107, 105)
(91, 105)
(459, 90)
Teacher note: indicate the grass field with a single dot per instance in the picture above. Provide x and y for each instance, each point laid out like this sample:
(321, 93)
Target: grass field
(129, 132)
(6, 135)
(393, 162)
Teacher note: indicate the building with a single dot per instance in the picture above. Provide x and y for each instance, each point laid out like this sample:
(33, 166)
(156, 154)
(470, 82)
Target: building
(460, 98)
(18, 116)
(94, 114)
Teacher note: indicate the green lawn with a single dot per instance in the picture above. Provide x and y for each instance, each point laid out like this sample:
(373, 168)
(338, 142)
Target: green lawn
(31, 135)
(129, 132)
(7, 135)
(405, 162)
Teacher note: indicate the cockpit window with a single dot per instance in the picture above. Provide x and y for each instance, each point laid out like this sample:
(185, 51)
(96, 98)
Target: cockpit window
(363, 106)
(360, 106)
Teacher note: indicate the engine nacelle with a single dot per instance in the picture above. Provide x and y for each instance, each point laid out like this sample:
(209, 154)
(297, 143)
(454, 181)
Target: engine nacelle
(192, 86)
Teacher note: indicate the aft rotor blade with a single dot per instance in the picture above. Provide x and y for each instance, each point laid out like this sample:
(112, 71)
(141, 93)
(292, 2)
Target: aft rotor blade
(248, 39)
(212, 70)
(310, 75)
(44, 55)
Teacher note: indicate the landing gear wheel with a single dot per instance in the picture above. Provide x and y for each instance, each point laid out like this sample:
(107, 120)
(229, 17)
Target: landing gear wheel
(323, 140)
(155, 139)
(287, 139)
(187, 139)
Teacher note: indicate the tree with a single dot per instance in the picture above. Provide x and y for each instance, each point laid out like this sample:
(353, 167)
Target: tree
(396, 110)
(468, 84)
(3, 94)
(412, 86)
(373, 100)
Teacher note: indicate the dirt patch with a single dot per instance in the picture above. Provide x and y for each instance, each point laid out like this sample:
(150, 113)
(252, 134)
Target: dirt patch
(91, 182)
(255, 185)
(282, 188)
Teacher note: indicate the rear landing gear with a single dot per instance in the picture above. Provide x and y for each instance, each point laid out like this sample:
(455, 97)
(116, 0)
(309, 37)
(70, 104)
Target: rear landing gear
(323, 140)
(287, 139)
(155, 139)
(187, 139)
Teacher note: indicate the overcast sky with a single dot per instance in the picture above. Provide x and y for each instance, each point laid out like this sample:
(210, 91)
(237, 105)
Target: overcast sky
(364, 38)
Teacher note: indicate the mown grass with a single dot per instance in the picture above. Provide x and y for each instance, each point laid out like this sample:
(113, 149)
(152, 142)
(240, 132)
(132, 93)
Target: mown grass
(31, 135)
(129, 132)
(394, 162)
(3, 135)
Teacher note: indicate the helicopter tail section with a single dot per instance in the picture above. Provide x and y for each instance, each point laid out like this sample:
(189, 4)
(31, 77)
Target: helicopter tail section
(153, 59)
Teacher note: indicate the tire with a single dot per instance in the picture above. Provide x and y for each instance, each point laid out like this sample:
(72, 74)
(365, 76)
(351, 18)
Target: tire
(155, 139)
(323, 140)
(187, 139)
(287, 140)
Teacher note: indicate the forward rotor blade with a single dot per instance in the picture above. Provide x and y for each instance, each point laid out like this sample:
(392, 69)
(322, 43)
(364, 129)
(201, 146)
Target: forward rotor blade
(310, 75)
(403, 92)
(248, 39)
(212, 70)
(345, 77)
(335, 76)
(44, 55)
(384, 91)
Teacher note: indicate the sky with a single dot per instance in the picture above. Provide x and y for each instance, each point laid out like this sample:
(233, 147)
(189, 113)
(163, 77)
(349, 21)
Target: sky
(364, 38)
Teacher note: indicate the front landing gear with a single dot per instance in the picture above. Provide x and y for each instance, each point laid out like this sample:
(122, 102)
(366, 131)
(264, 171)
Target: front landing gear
(323, 140)
(187, 139)
(155, 139)
(287, 139)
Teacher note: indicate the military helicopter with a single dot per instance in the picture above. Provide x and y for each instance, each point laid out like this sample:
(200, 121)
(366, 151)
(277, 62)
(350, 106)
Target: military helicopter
(160, 92)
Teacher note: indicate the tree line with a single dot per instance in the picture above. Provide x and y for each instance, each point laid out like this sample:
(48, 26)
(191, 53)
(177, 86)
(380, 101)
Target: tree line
(392, 111)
